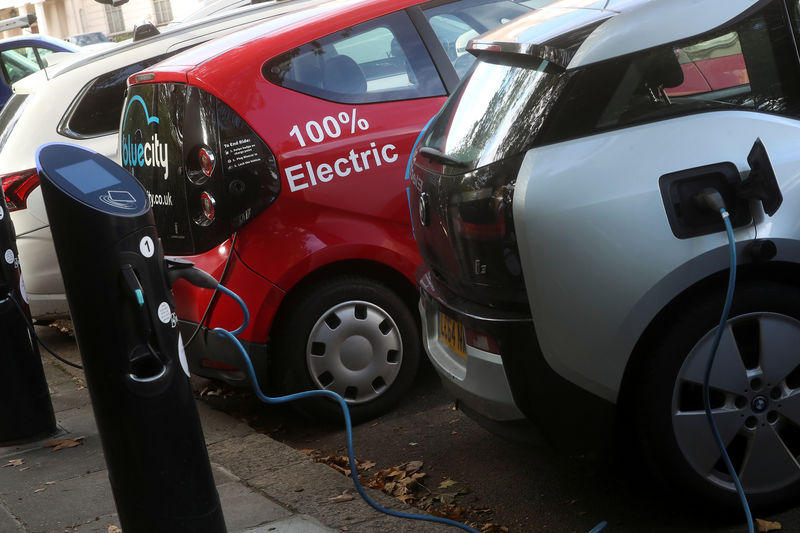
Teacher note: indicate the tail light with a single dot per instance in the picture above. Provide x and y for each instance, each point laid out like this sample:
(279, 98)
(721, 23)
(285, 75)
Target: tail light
(481, 340)
(18, 186)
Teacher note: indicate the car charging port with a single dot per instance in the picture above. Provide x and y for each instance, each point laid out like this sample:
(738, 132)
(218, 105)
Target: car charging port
(692, 197)
(685, 196)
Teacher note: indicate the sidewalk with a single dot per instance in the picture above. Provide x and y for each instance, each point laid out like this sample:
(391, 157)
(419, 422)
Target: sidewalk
(264, 486)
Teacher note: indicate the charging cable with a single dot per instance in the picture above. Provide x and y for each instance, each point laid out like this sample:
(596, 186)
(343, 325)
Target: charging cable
(202, 279)
(39, 340)
(713, 200)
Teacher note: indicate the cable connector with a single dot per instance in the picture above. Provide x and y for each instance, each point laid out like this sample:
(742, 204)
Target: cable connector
(182, 269)
(711, 199)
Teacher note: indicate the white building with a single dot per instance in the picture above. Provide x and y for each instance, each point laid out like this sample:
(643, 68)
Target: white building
(62, 18)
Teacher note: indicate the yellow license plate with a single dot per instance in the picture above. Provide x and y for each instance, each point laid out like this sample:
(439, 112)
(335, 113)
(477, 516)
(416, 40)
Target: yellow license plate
(452, 333)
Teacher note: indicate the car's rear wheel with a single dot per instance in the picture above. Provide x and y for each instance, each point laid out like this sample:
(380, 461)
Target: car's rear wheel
(354, 336)
(755, 398)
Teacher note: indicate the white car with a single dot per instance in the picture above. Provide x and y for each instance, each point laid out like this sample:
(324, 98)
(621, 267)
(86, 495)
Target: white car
(80, 101)
(574, 273)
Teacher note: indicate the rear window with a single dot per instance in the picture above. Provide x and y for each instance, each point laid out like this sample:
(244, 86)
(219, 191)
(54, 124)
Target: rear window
(509, 107)
(97, 108)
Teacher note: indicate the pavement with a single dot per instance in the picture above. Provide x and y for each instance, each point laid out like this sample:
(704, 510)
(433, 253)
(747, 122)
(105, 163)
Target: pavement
(264, 485)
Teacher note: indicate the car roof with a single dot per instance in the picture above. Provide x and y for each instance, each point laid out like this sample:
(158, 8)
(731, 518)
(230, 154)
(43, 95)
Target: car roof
(576, 33)
(34, 39)
(315, 19)
(177, 32)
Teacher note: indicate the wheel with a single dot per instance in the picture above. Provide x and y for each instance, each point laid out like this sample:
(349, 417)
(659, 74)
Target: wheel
(354, 336)
(755, 399)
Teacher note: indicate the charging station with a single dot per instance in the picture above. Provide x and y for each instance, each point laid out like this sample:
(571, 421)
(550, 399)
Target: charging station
(123, 314)
(25, 408)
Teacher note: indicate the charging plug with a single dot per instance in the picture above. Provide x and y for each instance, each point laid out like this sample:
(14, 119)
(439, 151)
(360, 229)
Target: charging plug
(710, 199)
(182, 269)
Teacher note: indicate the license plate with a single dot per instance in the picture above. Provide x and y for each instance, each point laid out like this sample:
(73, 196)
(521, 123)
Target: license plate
(452, 333)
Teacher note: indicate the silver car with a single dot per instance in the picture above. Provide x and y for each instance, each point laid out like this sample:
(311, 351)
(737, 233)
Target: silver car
(571, 277)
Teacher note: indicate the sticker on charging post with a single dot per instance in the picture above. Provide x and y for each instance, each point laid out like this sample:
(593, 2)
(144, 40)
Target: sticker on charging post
(22, 291)
(9, 256)
(146, 246)
(164, 312)
(182, 355)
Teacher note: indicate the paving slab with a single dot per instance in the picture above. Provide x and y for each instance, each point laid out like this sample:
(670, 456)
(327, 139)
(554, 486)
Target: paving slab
(264, 486)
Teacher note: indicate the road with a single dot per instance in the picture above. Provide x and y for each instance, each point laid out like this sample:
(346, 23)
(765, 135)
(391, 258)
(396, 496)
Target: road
(498, 483)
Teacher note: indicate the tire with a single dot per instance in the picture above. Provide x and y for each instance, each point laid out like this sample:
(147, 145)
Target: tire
(755, 398)
(352, 335)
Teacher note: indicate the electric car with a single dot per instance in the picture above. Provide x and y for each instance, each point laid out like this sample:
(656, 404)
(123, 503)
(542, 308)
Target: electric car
(294, 136)
(573, 273)
(79, 100)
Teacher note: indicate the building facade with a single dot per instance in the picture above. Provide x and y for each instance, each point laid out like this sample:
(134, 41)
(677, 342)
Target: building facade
(63, 18)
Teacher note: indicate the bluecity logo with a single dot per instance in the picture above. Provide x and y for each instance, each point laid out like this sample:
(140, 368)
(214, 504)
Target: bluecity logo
(151, 153)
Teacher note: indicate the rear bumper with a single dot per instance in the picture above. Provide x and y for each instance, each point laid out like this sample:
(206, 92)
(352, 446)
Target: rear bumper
(479, 380)
(516, 384)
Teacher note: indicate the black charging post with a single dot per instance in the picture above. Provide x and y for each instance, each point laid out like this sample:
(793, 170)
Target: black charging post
(123, 314)
(25, 409)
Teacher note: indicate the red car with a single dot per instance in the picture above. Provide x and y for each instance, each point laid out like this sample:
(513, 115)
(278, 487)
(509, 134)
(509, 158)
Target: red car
(276, 160)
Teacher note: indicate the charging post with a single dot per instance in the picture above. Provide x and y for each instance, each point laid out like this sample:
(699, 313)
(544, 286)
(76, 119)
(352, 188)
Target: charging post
(26, 412)
(123, 315)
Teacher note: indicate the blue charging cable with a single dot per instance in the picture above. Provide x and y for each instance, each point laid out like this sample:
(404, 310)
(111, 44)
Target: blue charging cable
(726, 310)
(321, 393)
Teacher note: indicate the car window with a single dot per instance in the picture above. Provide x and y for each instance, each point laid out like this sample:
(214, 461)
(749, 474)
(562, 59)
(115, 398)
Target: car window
(509, 104)
(97, 108)
(377, 61)
(456, 23)
(43, 52)
(18, 63)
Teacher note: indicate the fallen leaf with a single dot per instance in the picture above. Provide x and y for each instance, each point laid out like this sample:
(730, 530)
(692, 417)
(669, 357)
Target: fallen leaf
(343, 497)
(24, 468)
(40, 490)
(14, 462)
(765, 526)
(366, 465)
(60, 444)
(49, 482)
(412, 466)
(446, 483)
(114, 529)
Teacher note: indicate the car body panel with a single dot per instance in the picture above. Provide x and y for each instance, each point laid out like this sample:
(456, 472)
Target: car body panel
(572, 334)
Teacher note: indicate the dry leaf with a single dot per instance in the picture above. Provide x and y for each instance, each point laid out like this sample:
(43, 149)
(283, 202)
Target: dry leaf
(114, 529)
(60, 444)
(14, 462)
(366, 465)
(764, 526)
(412, 466)
(40, 490)
(446, 483)
(343, 497)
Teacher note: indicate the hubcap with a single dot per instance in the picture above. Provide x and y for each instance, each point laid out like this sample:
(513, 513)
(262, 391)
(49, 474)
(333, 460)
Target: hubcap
(755, 400)
(355, 349)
